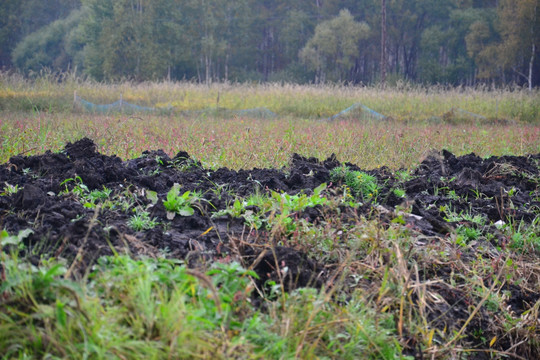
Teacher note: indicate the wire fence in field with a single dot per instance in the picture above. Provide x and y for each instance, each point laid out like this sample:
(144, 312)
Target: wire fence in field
(124, 107)
(356, 111)
(120, 106)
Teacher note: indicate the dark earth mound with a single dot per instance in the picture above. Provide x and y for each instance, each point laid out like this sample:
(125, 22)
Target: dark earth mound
(443, 194)
(493, 188)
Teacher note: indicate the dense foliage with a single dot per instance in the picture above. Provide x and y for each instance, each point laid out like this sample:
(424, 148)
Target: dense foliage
(431, 41)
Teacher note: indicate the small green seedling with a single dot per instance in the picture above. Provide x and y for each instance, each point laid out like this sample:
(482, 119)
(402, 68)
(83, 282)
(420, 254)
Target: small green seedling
(404, 175)
(88, 198)
(400, 193)
(180, 204)
(79, 189)
(469, 233)
(142, 221)
(9, 189)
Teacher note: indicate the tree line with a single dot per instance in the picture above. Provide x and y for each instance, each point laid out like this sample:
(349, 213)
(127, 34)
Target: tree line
(453, 42)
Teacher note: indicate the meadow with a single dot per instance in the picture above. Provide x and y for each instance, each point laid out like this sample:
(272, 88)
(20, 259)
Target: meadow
(403, 102)
(247, 143)
(403, 253)
(39, 115)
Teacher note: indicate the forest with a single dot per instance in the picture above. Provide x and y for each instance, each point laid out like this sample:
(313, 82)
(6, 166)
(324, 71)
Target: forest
(448, 42)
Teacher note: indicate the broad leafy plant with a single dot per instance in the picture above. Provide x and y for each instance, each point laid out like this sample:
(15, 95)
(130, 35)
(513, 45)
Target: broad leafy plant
(182, 205)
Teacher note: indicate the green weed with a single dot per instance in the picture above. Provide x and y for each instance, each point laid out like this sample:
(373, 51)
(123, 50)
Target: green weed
(89, 198)
(9, 190)
(180, 204)
(141, 221)
(281, 206)
(360, 183)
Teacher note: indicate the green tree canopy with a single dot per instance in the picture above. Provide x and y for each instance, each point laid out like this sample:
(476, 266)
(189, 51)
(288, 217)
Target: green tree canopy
(332, 51)
(519, 48)
(458, 42)
(47, 48)
(131, 39)
(20, 18)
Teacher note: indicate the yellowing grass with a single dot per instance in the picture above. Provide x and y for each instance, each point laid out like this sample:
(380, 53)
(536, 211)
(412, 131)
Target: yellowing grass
(38, 116)
(301, 101)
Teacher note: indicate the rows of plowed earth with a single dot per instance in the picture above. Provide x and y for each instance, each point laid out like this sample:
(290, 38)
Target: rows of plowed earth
(499, 189)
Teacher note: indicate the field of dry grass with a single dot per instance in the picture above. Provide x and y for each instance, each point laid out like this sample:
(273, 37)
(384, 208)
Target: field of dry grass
(402, 103)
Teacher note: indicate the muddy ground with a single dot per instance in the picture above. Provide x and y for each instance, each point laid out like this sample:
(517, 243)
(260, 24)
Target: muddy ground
(497, 188)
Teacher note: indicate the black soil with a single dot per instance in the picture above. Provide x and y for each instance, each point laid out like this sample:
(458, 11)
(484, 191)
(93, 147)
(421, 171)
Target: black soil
(497, 188)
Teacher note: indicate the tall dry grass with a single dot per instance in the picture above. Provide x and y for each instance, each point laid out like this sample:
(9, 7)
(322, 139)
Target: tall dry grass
(404, 102)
